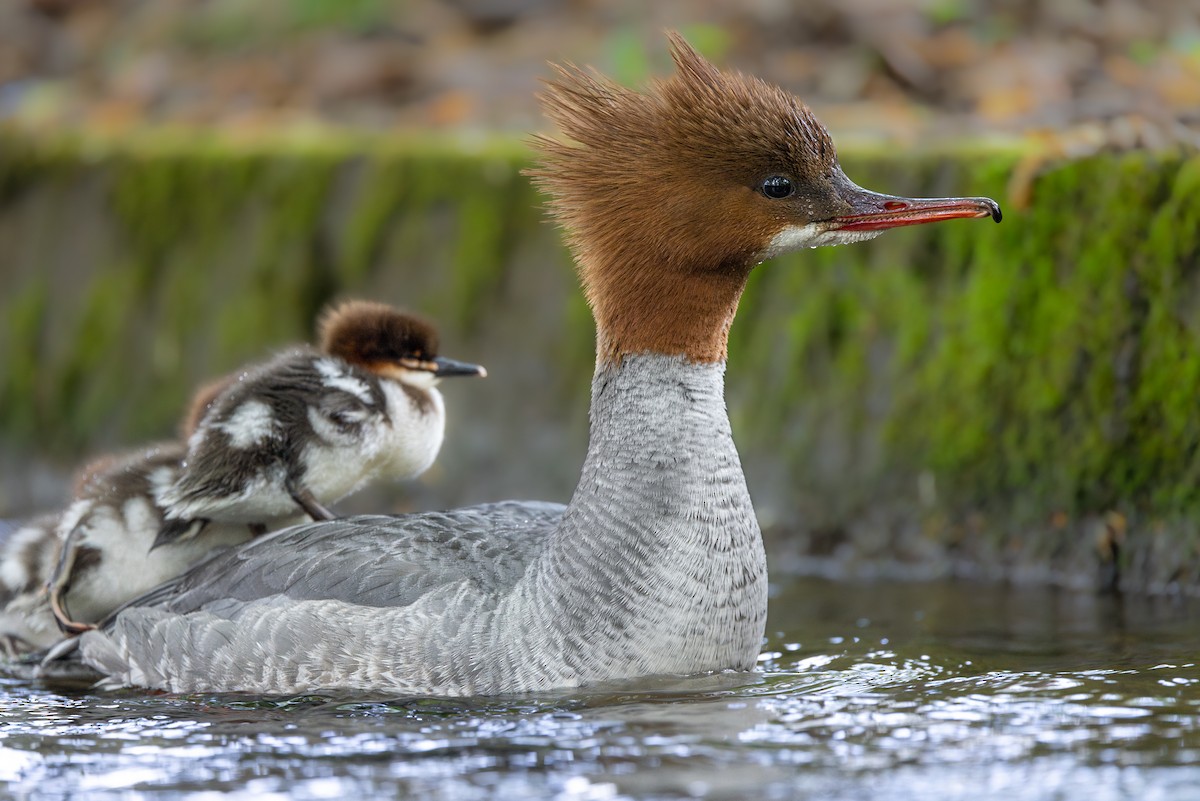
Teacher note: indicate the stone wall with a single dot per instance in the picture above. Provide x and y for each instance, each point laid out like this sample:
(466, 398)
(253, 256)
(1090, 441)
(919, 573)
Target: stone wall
(1016, 400)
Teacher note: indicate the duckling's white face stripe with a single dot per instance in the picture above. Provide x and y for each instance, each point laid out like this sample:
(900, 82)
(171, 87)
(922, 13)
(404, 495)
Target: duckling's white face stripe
(335, 376)
(812, 235)
(249, 425)
(418, 379)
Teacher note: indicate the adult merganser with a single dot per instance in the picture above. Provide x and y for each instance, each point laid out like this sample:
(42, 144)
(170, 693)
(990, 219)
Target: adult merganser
(309, 428)
(669, 198)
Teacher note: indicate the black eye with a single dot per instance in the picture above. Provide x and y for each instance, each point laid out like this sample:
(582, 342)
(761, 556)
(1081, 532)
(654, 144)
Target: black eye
(777, 186)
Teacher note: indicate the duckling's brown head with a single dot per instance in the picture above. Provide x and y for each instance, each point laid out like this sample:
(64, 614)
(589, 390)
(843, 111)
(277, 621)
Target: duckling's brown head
(670, 196)
(379, 338)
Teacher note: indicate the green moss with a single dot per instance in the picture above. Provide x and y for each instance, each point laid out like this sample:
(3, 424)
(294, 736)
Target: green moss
(226, 248)
(381, 198)
(82, 405)
(1024, 376)
(1048, 362)
(490, 216)
(22, 392)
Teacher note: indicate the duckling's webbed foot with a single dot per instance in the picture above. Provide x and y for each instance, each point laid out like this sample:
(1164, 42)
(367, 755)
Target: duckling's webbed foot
(63, 618)
(73, 628)
(311, 506)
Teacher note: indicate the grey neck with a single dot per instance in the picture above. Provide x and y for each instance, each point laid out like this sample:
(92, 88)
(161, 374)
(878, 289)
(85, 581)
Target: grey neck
(658, 560)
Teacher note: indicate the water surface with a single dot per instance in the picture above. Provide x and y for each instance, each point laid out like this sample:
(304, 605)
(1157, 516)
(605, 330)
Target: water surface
(881, 691)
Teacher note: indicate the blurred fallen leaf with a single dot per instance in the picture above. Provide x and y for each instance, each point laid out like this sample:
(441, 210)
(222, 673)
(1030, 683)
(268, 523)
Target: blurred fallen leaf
(451, 108)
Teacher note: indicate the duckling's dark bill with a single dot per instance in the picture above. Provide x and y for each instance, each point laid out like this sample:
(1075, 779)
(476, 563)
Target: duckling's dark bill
(442, 367)
(447, 367)
(877, 212)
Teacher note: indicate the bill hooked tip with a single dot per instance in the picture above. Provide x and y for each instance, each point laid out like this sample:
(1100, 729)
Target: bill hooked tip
(994, 207)
(871, 211)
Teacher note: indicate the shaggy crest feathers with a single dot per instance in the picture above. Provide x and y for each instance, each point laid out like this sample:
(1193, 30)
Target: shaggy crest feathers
(659, 187)
(366, 333)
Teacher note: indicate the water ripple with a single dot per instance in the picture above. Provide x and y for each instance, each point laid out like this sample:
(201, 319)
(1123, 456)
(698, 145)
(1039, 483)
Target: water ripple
(878, 703)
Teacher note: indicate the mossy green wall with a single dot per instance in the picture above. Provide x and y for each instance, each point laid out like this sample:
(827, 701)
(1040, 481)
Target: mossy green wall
(1028, 387)
(1002, 393)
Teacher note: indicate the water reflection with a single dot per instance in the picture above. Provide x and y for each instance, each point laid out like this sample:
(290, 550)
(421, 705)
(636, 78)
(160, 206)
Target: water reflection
(881, 691)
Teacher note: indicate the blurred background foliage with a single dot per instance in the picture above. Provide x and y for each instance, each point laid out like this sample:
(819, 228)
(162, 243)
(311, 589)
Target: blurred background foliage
(894, 69)
(185, 183)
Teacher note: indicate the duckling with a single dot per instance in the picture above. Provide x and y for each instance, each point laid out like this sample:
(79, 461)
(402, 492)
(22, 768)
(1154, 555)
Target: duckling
(73, 568)
(27, 554)
(27, 558)
(311, 427)
(65, 571)
(106, 536)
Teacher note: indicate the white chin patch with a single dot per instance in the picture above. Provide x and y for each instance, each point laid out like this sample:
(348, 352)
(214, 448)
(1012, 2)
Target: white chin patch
(418, 379)
(813, 235)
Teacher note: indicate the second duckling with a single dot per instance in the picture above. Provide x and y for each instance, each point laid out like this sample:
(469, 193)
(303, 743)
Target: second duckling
(108, 530)
(68, 571)
(311, 427)
(28, 554)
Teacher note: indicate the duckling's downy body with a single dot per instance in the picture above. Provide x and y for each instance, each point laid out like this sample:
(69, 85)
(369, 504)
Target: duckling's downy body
(669, 199)
(84, 563)
(108, 533)
(310, 427)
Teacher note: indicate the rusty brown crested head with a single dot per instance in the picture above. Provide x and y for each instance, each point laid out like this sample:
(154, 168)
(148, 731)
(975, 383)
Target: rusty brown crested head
(670, 196)
(379, 338)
